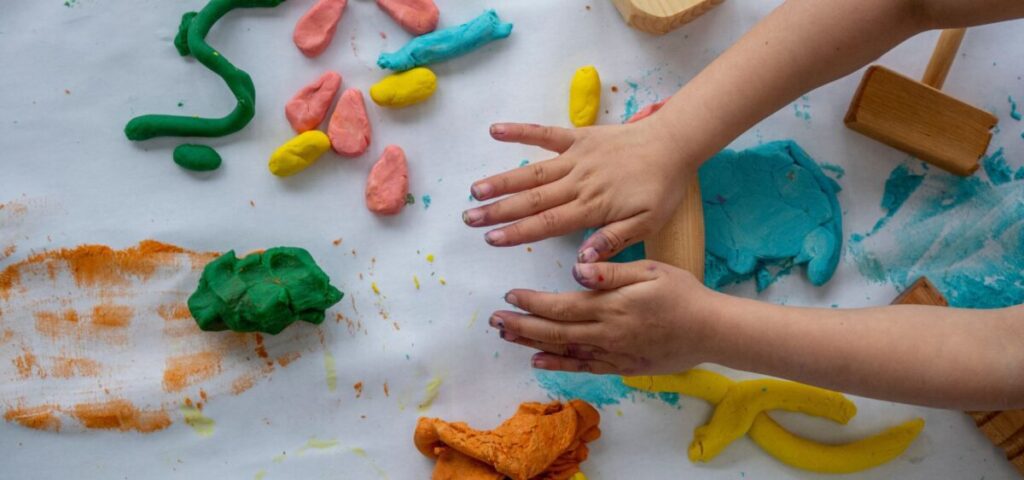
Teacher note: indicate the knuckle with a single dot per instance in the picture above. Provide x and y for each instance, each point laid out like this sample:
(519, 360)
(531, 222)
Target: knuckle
(557, 335)
(615, 241)
(534, 198)
(549, 219)
(540, 172)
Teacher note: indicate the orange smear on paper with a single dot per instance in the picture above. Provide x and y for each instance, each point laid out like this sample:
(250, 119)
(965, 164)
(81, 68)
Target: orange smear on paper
(40, 417)
(243, 383)
(49, 324)
(185, 370)
(25, 363)
(67, 367)
(547, 441)
(8, 251)
(358, 388)
(115, 316)
(286, 359)
(178, 311)
(120, 415)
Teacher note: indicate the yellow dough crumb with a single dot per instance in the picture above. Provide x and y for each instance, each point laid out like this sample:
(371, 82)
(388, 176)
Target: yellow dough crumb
(299, 153)
(405, 88)
(585, 97)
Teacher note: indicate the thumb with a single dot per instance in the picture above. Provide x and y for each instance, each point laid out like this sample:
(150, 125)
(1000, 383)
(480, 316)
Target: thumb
(610, 276)
(610, 240)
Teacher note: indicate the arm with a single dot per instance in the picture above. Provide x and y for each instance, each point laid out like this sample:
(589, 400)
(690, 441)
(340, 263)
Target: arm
(933, 356)
(650, 318)
(626, 178)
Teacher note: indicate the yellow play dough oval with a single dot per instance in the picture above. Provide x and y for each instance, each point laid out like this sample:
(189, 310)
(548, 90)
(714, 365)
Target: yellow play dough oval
(403, 89)
(299, 153)
(585, 97)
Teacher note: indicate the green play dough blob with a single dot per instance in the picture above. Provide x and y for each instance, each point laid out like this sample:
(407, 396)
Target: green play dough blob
(263, 292)
(199, 158)
(191, 40)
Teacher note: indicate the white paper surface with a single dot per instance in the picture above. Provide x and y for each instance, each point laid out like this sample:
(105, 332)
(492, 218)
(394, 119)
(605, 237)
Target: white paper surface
(74, 75)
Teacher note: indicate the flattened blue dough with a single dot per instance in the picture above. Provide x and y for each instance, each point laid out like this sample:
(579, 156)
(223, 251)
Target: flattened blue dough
(446, 44)
(766, 210)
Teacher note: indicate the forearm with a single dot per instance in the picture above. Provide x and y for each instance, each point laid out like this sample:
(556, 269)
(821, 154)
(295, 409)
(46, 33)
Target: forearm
(938, 357)
(800, 46)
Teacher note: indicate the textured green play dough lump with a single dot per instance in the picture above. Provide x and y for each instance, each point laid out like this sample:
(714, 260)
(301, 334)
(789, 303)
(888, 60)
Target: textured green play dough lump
(263, 292)
(199, 158)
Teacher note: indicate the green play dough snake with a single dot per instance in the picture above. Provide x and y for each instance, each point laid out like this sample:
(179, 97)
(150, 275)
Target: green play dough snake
(191, 40)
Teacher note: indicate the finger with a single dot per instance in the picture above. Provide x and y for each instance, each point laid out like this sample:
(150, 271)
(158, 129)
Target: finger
(522, 178)
(612, 239)
(555, 139)
(547, 361)
(609, 276)
(552, 222)
(520, 205)
(542, 329)
(572, 350)
(562, 307)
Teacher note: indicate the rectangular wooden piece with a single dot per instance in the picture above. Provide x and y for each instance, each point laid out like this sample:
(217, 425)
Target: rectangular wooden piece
(662, 16)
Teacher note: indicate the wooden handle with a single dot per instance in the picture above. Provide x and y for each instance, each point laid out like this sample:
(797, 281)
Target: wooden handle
(681, 242)
(942, 58)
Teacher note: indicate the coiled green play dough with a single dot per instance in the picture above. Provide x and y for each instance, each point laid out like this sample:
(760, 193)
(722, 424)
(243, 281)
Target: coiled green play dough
(263, 292)
(191, 40)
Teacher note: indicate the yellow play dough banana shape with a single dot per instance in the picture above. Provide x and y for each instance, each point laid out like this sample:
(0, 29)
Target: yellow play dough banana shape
(584, 97)
(852, 457)
(744, 400)
(786, 447)
(299, 153)
(403, 89)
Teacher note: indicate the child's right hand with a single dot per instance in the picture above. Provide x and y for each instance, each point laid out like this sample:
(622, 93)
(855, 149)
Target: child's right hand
(626, 178)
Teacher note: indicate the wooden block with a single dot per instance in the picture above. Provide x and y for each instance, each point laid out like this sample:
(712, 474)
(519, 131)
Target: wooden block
(681, 242)
(1003, 429)
(662, 16)
(920, 120)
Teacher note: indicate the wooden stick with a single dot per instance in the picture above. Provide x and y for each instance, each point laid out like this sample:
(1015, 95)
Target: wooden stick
(681, 242)
(943, 57)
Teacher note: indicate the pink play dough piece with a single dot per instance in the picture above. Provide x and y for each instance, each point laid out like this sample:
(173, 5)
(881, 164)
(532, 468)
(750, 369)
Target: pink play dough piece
(646, 111)
(308, 108)
(315, 30)
(415, 16)
(388, 183)
(349, 129)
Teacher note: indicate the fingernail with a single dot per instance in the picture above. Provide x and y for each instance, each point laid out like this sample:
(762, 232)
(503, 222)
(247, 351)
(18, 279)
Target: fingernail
(511, 299)
(583, 273)
(472, 217)
(496, 322)
(588, 255)
(508, 336)
(538, 362)
(495, 237)
(482, 191)
(498, 130)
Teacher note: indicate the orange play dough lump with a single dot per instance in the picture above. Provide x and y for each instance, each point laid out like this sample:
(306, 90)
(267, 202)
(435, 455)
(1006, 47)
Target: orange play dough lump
(540, 442)
(350, 129)
(308, 108)
(415, 16)
(315, 30)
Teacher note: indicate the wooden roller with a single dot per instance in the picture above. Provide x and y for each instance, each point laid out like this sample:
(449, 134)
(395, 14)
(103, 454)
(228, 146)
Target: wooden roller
(1004, 429)
(662, 16)
(681, 242)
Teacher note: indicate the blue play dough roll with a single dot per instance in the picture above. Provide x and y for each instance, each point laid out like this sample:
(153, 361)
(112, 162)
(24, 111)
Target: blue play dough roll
(442, 45)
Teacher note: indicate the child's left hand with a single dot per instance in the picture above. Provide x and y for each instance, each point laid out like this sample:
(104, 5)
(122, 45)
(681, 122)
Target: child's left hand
(640, 318)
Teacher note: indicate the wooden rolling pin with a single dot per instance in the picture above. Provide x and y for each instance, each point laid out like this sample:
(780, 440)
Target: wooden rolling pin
(681, 242)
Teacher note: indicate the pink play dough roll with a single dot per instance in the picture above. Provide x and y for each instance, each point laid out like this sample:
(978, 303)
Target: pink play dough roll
(388, 183)
(308, 108)
(415, 16)
(315, 30)
(350, 127)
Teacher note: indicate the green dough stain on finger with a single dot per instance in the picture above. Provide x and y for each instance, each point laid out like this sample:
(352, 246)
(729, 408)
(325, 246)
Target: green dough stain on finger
(191, 40)
(263, 292)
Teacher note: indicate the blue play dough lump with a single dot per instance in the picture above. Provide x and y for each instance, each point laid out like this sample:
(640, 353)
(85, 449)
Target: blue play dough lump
(766, 210)
(446, 44)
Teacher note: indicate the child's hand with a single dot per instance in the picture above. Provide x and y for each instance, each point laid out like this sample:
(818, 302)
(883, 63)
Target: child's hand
(641, 318)
(627, 178)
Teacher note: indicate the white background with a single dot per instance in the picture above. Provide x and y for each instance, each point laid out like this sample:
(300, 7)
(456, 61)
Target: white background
(65, 156)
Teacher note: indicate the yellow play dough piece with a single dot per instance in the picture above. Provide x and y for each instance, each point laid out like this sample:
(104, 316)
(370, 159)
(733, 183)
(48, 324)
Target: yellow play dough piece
(847, 458)
(299, 153)
(584, 97)
(744, 400)
(775, 440)
(579, 476)
(403, 89)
